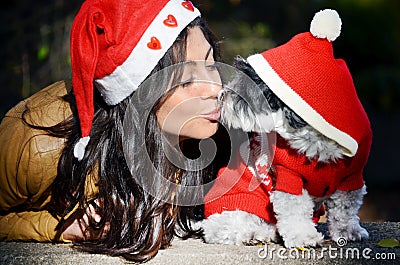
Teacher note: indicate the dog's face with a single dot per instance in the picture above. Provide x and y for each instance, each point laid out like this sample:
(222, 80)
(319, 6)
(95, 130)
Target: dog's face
(249, 104)
(244, 105)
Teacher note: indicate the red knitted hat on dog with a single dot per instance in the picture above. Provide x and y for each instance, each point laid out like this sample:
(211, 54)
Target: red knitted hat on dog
(116, 44)
(307, 77)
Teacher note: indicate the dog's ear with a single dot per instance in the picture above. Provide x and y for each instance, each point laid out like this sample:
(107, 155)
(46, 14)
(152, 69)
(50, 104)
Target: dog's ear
(294, 120)
(274, 102)
(242, 65)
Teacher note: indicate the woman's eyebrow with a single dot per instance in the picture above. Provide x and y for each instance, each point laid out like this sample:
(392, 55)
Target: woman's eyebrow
(208, 52)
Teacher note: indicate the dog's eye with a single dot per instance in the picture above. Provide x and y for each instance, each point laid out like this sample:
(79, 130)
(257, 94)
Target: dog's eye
(221, 96)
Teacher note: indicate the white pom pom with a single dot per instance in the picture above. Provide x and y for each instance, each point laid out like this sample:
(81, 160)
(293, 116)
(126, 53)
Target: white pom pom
(326, 24)
(79, 149)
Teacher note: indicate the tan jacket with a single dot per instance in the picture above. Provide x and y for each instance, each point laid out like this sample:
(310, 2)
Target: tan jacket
(28, 166)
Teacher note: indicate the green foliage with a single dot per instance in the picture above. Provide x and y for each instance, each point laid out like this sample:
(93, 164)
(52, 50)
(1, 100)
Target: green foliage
(245, 39)
(34, 46)
(389, 243)
(43, 52)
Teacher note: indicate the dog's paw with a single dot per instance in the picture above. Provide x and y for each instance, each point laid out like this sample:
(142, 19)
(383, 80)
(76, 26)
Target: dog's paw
(353, 232)
(294, 223)
(237, 228)
(301, 235)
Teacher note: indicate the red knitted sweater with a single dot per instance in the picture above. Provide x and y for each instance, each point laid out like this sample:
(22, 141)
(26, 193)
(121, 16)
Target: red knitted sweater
(295, 172)
(234, 188)
(238, 189)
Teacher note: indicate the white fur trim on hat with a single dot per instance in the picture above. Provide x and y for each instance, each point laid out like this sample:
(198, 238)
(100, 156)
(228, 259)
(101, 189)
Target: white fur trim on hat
(299, 106)
(127, 77)
(80, 147)
(326, 24)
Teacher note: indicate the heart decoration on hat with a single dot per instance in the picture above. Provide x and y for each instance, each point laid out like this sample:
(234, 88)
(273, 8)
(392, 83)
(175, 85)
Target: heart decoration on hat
(170, 21)
(188, 5)
(154, 44)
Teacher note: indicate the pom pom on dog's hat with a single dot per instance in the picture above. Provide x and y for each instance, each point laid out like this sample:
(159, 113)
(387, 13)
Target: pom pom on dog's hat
(319, 88)
(326, 24)
(115, 44)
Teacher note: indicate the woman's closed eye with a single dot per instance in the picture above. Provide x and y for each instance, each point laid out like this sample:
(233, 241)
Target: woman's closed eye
(187, 82)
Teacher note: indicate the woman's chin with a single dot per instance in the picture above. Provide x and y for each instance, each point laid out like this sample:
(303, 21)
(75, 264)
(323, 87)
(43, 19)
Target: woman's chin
(201, 132)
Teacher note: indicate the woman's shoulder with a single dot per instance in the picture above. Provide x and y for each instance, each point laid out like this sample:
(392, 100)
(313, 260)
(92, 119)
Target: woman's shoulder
(46, 107)
(29, 156)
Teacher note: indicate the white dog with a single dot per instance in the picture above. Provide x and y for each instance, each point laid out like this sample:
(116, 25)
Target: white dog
(323, 138)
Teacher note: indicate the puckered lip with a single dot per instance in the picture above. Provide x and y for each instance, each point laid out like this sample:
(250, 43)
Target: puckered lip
(213, 115)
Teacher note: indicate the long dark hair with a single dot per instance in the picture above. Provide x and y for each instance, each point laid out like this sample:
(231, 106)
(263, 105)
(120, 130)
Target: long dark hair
(139, 223)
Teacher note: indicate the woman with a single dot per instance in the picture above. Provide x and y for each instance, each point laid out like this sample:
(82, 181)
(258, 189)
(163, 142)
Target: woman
(72, 169)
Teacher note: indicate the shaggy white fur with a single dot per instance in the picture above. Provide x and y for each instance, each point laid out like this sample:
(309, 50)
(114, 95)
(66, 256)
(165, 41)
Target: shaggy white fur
(307, 141)
(343, 221)
(294, 219)
(237, 228)
(245, 119)
(294, 224)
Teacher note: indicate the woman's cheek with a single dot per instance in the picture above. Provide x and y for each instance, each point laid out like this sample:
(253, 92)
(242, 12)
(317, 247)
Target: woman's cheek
(173, 120)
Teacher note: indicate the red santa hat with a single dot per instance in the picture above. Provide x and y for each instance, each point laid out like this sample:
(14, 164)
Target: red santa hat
(307, 77)
(116, 44)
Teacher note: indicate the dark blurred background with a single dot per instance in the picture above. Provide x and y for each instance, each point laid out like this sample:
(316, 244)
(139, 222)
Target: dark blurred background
(35, 52)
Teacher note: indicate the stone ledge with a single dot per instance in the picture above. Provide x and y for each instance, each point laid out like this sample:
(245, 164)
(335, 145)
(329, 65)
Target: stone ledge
(196, 252)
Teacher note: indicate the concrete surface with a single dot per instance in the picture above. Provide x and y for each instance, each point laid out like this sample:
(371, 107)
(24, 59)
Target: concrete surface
(196, 252)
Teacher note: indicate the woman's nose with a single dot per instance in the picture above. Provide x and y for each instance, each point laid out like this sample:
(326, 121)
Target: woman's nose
(210, 90)
(215, 88)
(214, 85)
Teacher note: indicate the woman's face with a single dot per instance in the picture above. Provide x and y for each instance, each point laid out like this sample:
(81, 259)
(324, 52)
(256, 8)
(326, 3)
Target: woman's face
(192, 110)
